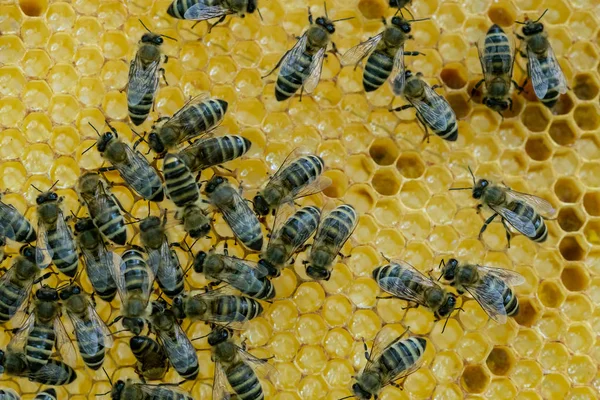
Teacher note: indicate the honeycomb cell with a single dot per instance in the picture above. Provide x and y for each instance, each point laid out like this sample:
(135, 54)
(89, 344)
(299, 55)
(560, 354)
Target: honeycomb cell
(538, 148)
(591, 203)
(385, 182)
(566, 160)
(63, 109)
(60, 17)
(529, 312)
(62, 78)
(11, 49)
(535, 118)
(581, 369)
(577, 307)
(34, 32)
(586, 117)
(338, 342)
(570, 219)
(384, 151)
(311, 359)
(563, 132)
(567, 190)
(446, 366)
(485, 121)
(575, 278)
(579, 338)
(36, 63)
(527, 374)
(502, 13)
(36, 95)
(572, 248)
(364, 324)
(554, 387)
(475, 379)
(452, 47)
(12, 111)
(588, 146)
(12, 81)
(585, 86)
(473, 347)
(500, 361)
(551, 294)
(12, 176)
(589, 174)
(583, 55)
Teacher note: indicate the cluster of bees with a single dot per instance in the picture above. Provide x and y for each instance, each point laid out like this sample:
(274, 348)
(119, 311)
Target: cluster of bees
(237, 285)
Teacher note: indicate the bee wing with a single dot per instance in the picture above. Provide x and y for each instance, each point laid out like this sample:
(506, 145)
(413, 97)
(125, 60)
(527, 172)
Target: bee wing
(540, 205)
(382, 341)
(361, 50)
(336, 225)
(314, 71)
(398, 72)
(260, 366)
(178, 346)
(238, 213)
(169, 266)
(64, 344)
(220, 384)
(396, 286)
(142, 79)
(539, 80)
(202, 11)
(507, 276)
(17, 343)
(104, 266)
(487, 64)
(137, 172)
(284, 212)
(49, 372)
(117, 270)
(292, 57)
(179, 123)
(521, 223)
(43, 252)
(236, 270)
(433, 110)
(10, 214)
(230, 318)
(162, 391)
(490, 299)
(20, 296)
(93, 334)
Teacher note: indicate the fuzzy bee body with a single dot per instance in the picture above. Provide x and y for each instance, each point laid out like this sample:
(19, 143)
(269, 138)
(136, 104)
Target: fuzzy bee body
(212, 151)
(9, 394)
(180, 185)
(14, 225)
(201, 10)
(48, 394)
(128, 390)
(152, 362)
(54, 373)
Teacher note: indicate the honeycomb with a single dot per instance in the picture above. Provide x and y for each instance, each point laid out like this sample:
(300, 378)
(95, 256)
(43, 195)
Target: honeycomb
(65, 64)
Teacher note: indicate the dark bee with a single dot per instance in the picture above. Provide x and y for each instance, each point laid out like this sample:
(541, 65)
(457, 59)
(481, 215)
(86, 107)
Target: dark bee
(48, 394)
(55, 373)
(163, 261)
(298, 176)
(177, 345)
(99, 262)
(194, 220)
(212, 151)
(217, 307)
(404, 281)
(16, 283)
(401, 5)
(93, 336)
(9, 394)
(288, 234)
(386, 54)
(301, 66)
(547, 78)
(489, 286)
(143, 76)
(134, 283)
(55, 241)
(335, 229)
(433, 111)
(202, 10)
(200, 115)
(236, 212)
(14, 225)
(180, 185)
(133, 167)
(2, 244)
(246, 276)
(235, 366)
(524, 212)
(387, 363)
(103, 207)
(128, 390)
(496, 54)
(152, 362)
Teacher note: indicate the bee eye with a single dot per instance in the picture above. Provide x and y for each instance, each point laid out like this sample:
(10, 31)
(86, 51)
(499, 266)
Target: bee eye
(159, 40)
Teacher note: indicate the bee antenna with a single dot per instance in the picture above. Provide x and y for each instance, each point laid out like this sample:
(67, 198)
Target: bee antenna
(54, 184)
(325, 7)
(112, 128)
(94, 128)
(142, 138)
(259, 14)
(141, 22)
(109, 380)
(347, 397)
(88, 149)
(541, 16)
(342, 19)
(33, 186)
(419, 20)
(472, 174)
(168, 37)
(446, 323)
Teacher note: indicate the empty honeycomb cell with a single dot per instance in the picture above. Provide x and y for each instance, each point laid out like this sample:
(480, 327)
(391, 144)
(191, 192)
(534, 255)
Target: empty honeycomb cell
(361, 196)
(551, 294)
(567, 190)
(529, 311)
(577, 307)
(581, 369)
(383, 151)
(572, 248)
(475, 379)
(410, 165)
(484, 121)
(563, 132)
(586, 117)
(34, 32)
(385, 182)
(570, 219)
(12, 111)
(579, 338)
(526, 374)
(473, 347)
(586, 86)
(535, 118)
(60, 17)
(591, 203)
(575, 278)
(500, 361)
(554, 387)
(36, 95)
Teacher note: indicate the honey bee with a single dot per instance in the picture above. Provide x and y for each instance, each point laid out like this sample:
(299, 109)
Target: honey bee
(98, 260)
(38, 335)
(180, 185)
(298, 176)
(302, 65)
(547, 78)
(234, 365)
(404, 281)
(54, 239)
(16, 283)
(103, 207)
(133, 167)
(212, 151)
(388, 363)
(134, 284)
(14, 225)
(177, 345)
(335, 229)
(433, 111)
(524, 212)
(55, 372)
(386, 54)
(290, 231)
(143, 76)
(128, 390)
(200, 115)
(216, 307)
(2, 244)
(401, 5)
(48, 394)
(489, 286)
(161, 259)
(496, 54)
(152, 362)
(194, 219)
(246, 276)
(93, 336)
(202, 10)
(9, 394)
(236, 212)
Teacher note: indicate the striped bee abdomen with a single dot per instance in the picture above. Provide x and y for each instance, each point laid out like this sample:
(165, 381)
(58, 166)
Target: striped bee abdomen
(9, 300)
(64, 253)
(497, 51)
(205, 115)
(215, 151)
(136, 273)
(244, 382)
(110, 222)
(235, 308)
(290, 78)
(180, 184)
(17, 224)
(378, 68)
(405, 353)
(40, 343)
(178, 8)
(139, 112)
(302, 172)
(523, 209)
(48, 394)
(91, 346)
(395, 271)
(58, 374)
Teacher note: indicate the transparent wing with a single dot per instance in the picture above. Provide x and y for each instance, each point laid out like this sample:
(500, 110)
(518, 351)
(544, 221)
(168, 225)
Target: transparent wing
(521, 223)
(333, 225)
(361, 50)
(238, 213)
(292, 57)
(316, 186)
(294, 154)
(17, 343)
(259, 365)
(164, 391)
(433, 110)
(507, 276)
(226, 317)
(93, 334)
(201, 11)
(237, 271)
(540, 205)
(220, 383)
(43, 252)
(314, 71)
(539, 80)
(180, 120)
(9, 213)
(137, 171)
(142, 79)
(99, 265)
(557, 71)
(17, 297)
(397, 287)
(490, 299)
(169, 267)
(398, 72)
(64, 344)
(49, 372)
(117, 270)
(178, 346)
(284, 212)
(154, 259)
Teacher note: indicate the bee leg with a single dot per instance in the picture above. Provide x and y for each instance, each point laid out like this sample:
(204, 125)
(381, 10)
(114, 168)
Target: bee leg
(519, 36)
(367, 355)
(276, 65)
(479, 207)
(211, 26)
(507, 232)
(486, 223)
(475, 88)
(405, 107)
(426, 135)
(414, 53)
(162, 72)
(301, 92)
(384, 297)
(106, 169)
(520, 88)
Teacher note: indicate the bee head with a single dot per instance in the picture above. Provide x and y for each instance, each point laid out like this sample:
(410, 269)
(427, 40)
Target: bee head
(449, 270)
(326, 23)
(199, 231)
(28, 252)
(358, 390)
(134, 325)
(152, 38)
(47, 294)
(47, 197)
(320, 274)
(260, 205)
(155, 143)
(251, 7)
(215, 181)
(480, 187)
(401, 23)
(84, 224)
(117, 389)
(218, 335)
(69, 291)
(407, 74)
(496, 104)
(199, 261)
(531, 28)
(178, 307)
(150, 222)
(272, 271)
(448, 306)
(104, 140)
